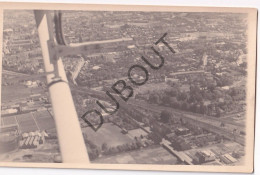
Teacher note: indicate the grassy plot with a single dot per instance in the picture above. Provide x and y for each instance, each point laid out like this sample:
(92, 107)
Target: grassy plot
(151, 155)
(109, 134)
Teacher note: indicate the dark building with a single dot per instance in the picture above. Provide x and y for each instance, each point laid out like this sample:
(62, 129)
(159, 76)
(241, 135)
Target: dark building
(180, 144)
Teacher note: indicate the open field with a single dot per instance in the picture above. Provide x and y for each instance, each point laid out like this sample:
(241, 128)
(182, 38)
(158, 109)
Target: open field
(108, 133)
(155, 155)
(8, 120)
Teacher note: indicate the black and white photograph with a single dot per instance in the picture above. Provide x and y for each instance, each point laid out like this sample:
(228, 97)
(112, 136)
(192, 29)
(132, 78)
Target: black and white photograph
(123, 88)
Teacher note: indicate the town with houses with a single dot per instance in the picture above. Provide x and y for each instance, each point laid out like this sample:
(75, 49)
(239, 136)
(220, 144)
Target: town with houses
(190, 112)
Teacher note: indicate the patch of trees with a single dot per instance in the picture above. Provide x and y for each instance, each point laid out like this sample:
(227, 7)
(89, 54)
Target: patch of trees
(207, 99)
(165, 116)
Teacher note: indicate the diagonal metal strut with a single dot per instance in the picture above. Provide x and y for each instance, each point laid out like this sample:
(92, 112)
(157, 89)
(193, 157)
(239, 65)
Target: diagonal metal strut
(72, 146)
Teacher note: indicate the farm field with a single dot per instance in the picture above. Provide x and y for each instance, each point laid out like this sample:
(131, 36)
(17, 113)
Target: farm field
(29, 122)
(8, 120)
(44, 120)
(26, 123)
(13, 93)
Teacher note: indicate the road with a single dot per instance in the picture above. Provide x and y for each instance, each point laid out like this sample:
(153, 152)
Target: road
(7, 72)
(17, 75)
(211, 124)
(216, 121)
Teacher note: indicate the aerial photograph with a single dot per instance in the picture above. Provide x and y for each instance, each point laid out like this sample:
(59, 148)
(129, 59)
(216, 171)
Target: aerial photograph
(166, 88)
